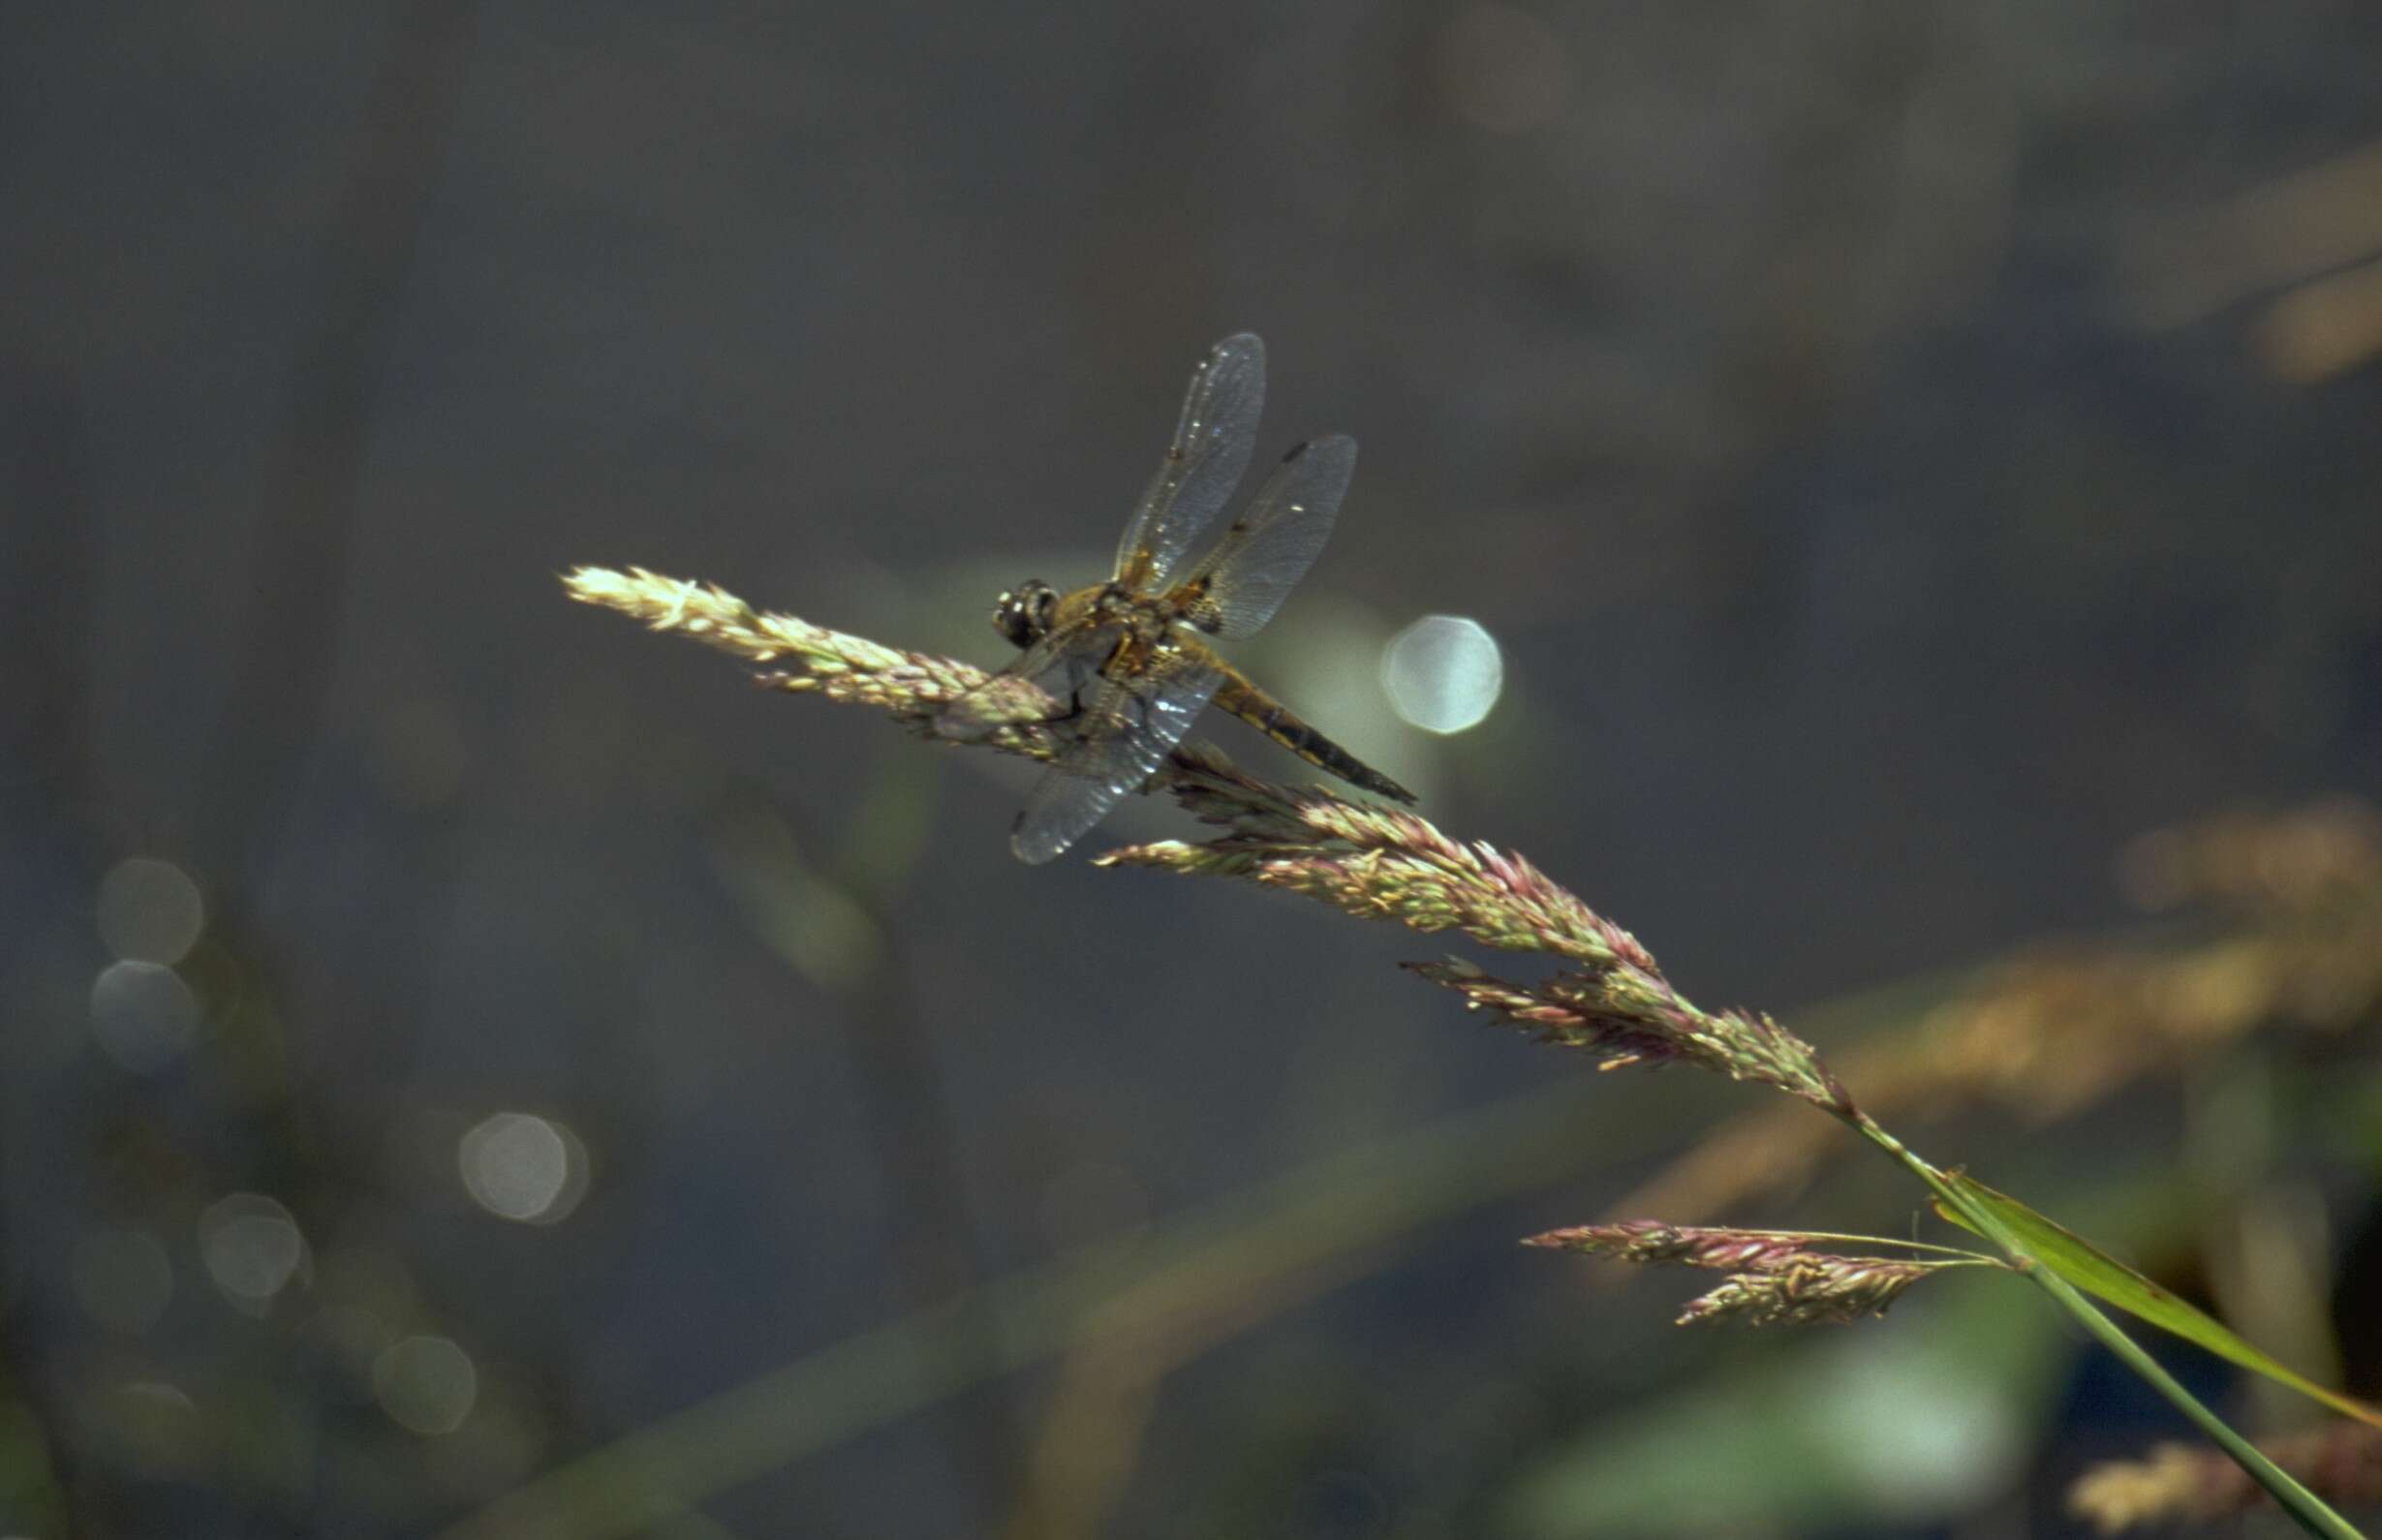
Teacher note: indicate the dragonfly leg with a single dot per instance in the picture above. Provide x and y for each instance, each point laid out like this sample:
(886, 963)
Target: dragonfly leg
(1074, 709)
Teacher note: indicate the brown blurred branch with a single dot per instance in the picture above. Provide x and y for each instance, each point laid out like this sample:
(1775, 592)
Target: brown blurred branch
(2181, 1484)
(2044, 1035)
(2280, 233)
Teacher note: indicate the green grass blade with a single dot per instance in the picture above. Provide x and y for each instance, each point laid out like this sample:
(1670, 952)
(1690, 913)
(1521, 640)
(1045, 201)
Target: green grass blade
(2105, 1277)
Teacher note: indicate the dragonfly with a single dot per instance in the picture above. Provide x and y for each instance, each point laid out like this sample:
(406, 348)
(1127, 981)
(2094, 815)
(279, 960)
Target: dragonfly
(1127, 660)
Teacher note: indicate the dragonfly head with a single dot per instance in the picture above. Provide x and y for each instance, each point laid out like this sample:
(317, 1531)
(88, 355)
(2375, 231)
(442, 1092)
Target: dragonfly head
(1023, 614)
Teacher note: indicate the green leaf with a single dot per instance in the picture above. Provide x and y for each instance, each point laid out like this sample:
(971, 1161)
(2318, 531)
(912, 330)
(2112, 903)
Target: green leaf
(2098, 1274)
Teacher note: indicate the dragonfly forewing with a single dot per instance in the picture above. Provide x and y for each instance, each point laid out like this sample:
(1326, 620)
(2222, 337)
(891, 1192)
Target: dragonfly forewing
(1213, 441)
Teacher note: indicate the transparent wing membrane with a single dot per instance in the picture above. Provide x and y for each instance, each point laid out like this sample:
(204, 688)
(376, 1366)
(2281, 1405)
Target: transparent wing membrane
(1126, 733)
(1269, 548)
(1061, 663)
(1212, 445)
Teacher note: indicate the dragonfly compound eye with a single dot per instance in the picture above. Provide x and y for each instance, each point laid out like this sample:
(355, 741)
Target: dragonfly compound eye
(1023, 614)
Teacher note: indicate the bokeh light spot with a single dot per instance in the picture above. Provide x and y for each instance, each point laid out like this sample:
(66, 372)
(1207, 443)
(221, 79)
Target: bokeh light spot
(149, 911)
(142, 1015)
(425, 1384)
(122, 1278)
(251, 1246)
(1443, 673)
(154, 1425)
(520, 1167)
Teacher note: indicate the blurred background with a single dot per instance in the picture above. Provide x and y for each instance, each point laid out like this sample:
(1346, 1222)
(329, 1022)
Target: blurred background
(471, 1068)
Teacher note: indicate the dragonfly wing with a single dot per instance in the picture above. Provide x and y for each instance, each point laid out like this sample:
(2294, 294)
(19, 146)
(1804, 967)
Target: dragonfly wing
(1125, 735)
(1061, 663)
(1269, 548)
(1212, 445)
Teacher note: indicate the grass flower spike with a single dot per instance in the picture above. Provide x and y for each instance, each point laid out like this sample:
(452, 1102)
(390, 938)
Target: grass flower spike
(1607, 995)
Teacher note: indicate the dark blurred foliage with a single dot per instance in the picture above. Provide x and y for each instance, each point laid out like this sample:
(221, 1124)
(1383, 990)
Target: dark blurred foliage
(1906, 451)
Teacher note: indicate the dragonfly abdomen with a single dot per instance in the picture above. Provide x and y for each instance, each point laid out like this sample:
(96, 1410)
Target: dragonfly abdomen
(1293, 732)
